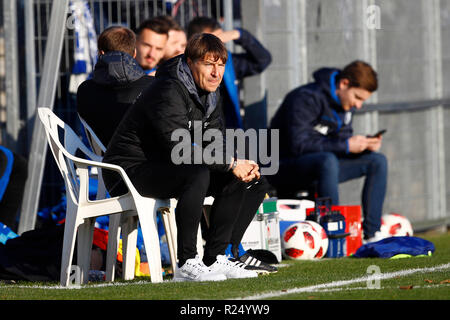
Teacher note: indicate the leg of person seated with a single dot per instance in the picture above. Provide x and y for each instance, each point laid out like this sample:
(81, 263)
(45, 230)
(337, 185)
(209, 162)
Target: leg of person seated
(301, 172)
(189, 212)
(373, 166)
(374, 192)
(253, 197)
(229, 201)
(228, 193)
(189, 184)
(326, 167)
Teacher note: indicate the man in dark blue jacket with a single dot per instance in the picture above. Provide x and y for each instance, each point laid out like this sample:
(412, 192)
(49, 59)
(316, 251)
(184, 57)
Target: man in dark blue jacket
(317, 144)
(116, 83)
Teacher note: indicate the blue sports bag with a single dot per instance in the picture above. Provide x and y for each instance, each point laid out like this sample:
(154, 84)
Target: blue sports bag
(393, 246)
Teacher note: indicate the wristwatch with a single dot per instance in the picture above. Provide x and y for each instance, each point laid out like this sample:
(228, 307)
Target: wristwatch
(234, 165)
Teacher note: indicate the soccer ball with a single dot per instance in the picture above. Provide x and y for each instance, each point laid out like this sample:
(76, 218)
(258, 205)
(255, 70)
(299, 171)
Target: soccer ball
(323, 236)
(300, 242)
(395, 225)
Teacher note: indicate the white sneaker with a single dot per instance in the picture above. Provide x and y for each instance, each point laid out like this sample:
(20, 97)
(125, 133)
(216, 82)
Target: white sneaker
(232, 269)
(376, 237)
(195, 270)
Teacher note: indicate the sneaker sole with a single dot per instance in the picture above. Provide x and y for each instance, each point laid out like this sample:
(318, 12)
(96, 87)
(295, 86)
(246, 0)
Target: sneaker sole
(266, 271)
(245, 277)
(198, 280)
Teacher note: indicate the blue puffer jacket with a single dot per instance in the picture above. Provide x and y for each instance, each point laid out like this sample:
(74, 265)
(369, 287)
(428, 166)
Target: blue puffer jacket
(311, 118)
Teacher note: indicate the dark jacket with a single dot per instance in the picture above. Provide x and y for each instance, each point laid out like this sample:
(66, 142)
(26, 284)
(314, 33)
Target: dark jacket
(254, 60)
(103, 100)
(171, 102)
(311, 118)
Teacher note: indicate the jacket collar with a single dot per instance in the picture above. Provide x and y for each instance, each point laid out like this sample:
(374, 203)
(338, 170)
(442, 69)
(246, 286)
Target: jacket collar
(333, 88)
(184, 74)
(326, 80)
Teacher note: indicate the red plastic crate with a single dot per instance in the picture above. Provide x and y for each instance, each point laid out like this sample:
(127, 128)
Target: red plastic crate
(353, 224)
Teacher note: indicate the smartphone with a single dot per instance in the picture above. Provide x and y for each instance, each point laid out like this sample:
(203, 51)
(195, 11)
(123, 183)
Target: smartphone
(378, 134)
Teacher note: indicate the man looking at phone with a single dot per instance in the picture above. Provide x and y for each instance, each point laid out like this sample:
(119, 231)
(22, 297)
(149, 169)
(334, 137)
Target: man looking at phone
(317, 145)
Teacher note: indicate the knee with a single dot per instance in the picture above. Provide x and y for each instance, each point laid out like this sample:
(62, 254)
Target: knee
(379, 163)
(198, 175)
(328, 163)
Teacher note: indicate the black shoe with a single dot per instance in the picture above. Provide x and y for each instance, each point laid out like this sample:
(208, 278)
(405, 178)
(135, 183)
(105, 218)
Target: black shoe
(253, 263)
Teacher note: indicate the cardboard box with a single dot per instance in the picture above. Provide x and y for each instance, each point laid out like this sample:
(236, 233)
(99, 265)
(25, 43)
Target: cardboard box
(353, 225)
(264, 231)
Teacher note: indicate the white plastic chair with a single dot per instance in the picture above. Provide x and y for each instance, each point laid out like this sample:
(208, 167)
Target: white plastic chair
(167, 212)
(115, 221)
(81, 211)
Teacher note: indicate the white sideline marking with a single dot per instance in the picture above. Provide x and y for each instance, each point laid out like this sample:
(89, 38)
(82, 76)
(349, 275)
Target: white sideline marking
(431, 286)
(334, 284)
(321, 287)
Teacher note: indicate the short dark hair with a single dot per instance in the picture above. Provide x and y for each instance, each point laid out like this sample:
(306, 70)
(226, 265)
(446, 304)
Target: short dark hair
(156, 24)
(171, 23)
(117, 38)
(199, 24)
(202, 44)
(361, 75)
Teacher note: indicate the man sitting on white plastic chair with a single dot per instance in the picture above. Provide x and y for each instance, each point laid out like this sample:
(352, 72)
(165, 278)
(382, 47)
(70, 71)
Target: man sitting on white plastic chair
(184, 99)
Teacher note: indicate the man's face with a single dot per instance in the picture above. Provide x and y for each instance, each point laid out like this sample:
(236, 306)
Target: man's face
(150, 48)
(176, 44)
(351, 97)
(207, 73)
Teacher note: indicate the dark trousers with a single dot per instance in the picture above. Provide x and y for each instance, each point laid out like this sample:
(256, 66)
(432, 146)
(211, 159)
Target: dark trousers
(328, 170)
(235, 203)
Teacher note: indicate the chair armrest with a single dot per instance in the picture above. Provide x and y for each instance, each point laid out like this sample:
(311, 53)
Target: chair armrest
(83, 164)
